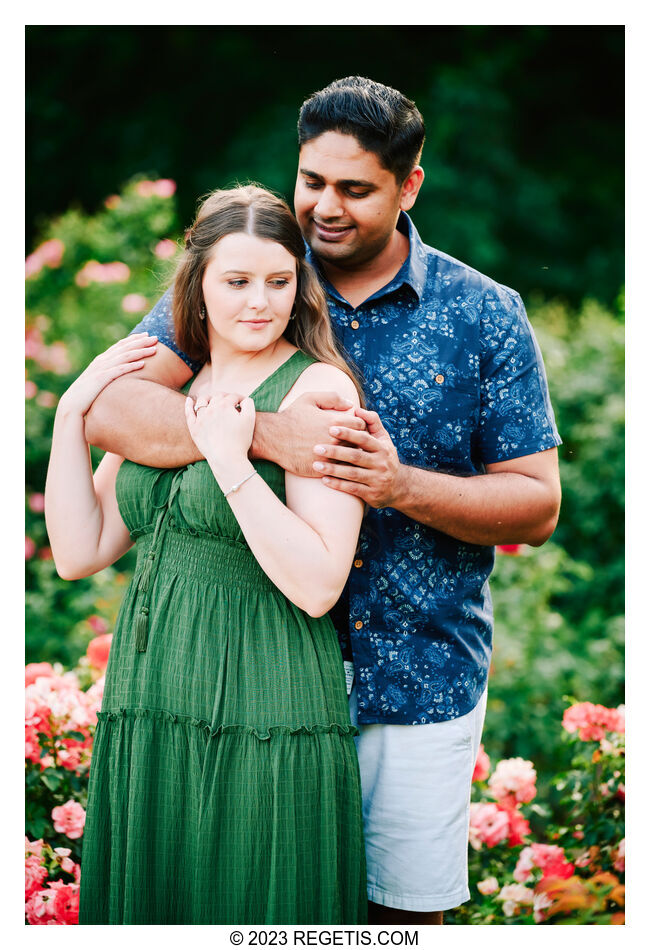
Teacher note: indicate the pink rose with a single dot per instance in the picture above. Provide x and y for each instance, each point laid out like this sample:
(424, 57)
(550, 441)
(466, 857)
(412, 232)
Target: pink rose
(513, 780)
(482, 767)
(48, 254)
(45, 553)
(488, 885)
(112, 202)
(35, 874)
(97, 624)
(94, 272)
(30, 547)
(69, 819)
(33, 343)
(51, 252)
(30, 389)
(509, 548)
(164, 187)
(619, 862)
(134, 303)
(36, 502)
(488, 824)
(46, 399)
(165, 248)
(40, 907)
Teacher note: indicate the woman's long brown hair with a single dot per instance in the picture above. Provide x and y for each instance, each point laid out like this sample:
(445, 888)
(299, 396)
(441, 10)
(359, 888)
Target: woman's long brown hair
(252, 210)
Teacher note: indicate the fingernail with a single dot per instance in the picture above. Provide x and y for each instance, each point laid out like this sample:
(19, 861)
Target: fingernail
(335, 430)
(320, 449)
(319, 466)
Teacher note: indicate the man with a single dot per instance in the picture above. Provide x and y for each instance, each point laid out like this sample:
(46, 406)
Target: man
(456, 454)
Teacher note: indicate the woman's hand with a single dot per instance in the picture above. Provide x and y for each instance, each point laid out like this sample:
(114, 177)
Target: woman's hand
(221, 427)
(123, 357)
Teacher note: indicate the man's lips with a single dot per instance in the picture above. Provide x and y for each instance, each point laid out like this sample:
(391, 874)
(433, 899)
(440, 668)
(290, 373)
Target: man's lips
(332, 232)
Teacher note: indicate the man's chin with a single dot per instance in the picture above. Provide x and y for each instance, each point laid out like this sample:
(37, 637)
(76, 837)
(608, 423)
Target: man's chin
(335, 251)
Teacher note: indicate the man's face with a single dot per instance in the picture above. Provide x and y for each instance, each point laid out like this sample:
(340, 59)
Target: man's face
(346, 202)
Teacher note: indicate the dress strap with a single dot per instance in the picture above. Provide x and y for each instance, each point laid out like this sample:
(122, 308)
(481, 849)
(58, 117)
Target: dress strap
(270, 393)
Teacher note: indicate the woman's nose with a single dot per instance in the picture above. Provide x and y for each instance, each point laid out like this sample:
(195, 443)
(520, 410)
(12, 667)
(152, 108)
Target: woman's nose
(257, 297)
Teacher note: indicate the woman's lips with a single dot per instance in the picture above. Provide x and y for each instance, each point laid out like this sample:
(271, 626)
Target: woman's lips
(332, 233)
(255, 324)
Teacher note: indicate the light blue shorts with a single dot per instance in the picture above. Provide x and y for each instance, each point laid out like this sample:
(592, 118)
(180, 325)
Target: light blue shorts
(416, 783)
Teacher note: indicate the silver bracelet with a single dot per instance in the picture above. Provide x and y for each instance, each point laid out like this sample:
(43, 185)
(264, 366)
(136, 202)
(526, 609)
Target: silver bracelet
(239, 484)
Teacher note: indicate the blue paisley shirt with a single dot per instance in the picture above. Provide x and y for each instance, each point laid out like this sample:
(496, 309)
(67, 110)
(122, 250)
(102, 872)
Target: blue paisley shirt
(452, 367)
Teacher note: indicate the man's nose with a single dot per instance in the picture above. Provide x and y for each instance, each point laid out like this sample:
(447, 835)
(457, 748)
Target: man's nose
(329, 204)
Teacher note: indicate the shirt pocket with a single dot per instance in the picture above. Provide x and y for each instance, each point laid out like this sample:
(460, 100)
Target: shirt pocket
(437, 419)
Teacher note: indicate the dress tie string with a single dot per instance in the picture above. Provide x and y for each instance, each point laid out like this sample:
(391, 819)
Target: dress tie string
(162, 520)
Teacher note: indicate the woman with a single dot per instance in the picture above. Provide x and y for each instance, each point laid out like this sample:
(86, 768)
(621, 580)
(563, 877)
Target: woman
(224, 785)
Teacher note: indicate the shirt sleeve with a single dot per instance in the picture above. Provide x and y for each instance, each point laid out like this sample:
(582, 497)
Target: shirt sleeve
(159, 322)
(516, 416)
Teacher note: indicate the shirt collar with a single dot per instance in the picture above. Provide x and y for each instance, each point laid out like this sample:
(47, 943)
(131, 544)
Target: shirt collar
(413, 271)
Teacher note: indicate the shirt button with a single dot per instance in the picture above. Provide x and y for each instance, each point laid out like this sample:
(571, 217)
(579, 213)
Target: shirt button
(358, 625)
(440, 378)
(355, 324)
(358, 562)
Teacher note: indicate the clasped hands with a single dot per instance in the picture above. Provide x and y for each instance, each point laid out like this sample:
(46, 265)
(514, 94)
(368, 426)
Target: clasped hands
(362, 462)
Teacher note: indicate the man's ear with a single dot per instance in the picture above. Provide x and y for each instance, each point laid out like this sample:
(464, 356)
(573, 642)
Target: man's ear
(410, 188)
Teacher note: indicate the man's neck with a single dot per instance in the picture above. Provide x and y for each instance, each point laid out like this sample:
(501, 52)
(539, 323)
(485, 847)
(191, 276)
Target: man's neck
(357, 284)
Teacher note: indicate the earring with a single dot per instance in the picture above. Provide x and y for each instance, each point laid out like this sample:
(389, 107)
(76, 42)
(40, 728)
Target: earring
(202, 312)
(292, 315)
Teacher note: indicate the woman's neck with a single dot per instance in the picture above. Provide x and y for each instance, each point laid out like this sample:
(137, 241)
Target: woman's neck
(240, 371)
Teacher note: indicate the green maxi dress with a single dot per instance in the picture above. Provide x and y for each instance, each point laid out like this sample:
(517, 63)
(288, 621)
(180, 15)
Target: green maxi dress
(224, 784)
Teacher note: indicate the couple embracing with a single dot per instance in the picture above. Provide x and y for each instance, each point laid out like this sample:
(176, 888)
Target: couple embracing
(323, 427)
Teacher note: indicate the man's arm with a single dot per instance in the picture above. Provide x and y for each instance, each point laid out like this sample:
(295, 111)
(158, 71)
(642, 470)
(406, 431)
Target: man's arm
(144, 420)
(514, 502)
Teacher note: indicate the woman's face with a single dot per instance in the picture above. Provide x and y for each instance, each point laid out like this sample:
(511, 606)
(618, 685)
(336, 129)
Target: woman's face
(249, 287)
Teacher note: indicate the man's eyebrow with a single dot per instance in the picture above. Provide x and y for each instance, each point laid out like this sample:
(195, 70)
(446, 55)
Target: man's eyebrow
(346, 182)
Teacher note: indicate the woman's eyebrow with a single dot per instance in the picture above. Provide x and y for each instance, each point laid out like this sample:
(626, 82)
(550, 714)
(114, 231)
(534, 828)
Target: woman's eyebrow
(248, 273)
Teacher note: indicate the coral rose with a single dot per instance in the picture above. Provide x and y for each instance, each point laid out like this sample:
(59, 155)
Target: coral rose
(34, 670)
(514, 894)
(592, 721)
(482, 767)
(488, 885)
(549, 858)
(98, 650)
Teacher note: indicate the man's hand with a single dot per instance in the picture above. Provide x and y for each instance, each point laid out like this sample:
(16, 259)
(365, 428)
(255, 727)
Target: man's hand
(287, 437)
(368, 464)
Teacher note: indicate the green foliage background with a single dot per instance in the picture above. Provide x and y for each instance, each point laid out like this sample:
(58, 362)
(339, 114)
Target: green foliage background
(524, 181)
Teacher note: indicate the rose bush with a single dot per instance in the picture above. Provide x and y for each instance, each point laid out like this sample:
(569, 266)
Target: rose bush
(576, 874)
(87, 284)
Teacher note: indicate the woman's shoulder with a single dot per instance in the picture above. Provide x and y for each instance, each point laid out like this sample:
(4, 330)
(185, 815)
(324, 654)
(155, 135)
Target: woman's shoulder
(322, 377)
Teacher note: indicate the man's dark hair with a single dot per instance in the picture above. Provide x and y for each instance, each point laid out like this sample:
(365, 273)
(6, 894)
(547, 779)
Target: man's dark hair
(381, 119)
